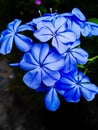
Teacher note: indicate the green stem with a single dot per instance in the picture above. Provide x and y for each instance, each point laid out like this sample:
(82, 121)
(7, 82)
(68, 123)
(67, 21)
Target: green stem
(92, 59)
(89, 61)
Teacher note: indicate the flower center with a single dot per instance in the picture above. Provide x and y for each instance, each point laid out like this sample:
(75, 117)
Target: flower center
(54, 34)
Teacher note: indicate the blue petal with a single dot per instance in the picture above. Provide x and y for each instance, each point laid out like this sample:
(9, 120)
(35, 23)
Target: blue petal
(22, 42)
(69, 78)
(14, 25)
(60, 47)
(32, 79)
(61, 26)
(94, 28)
(85, 79)
(80, 55)
(28, 62)
(37, 20)
(86, 31)
(46, 24)
(52, 101)
(50, 77)
(36, 52)
(47, 17)
(40, 19)
(91, 87)
(66, 37)
(72, 95)
(70, 63)
(66, 14)
(78, 14)
(44, 50)
(6, 45)
(89, 91)
(6, 33)
(63, 86)
(43, 88)
(54, 61)
(43, 34)
(39, 52)
(75, 44)
(67, 81)
(76, 29)
(24, 28)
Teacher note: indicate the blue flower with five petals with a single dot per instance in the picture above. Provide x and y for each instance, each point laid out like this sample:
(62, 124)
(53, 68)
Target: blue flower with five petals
(42, 64)
(57, 31)
(76, 85)
(11, 34)
(74, 55)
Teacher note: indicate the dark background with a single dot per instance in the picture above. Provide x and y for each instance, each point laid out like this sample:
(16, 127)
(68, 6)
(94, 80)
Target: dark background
(23, 109)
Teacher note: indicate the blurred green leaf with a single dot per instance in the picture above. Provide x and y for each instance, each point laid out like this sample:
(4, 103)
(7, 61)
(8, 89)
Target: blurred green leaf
(95, 20)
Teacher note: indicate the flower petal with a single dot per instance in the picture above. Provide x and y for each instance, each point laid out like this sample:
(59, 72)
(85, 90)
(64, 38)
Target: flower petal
(50, 77)
(6, 45)
(81, 55)
(78, 14)
(40, 51)
(32, 79)
(54, 61)
(60, 47)
(28, 62)
(43, 35)
(14, 25)
(46, 24)
(76, 29)
(61, 27)
(52, 101)
(22, 42)
(66, 37)
(44, 50)
(24, 28)
(70, 63)
(72, 95)
(89, 91)
(75, 44)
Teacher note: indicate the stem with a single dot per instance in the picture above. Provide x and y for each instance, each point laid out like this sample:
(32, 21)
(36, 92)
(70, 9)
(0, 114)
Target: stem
(92, 59)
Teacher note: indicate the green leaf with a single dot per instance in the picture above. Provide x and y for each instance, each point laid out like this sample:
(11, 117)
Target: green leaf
(95, 20)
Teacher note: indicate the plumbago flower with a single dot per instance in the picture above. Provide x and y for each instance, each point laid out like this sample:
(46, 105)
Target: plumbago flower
(42, 65)
(74, 55)
(11, 34)
(57, 32)
(75, 84)
(51, 64)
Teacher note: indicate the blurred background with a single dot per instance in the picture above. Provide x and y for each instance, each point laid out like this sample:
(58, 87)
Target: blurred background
(20, 107)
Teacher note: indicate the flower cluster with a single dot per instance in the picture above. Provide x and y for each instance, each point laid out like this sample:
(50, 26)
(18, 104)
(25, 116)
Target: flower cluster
(51, 59)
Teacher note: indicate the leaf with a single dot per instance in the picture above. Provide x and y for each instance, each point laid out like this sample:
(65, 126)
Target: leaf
(95, 20)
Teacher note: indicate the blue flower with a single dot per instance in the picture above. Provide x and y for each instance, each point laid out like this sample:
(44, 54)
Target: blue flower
(57, 31)
(90, 29)
(76, 84)
(74, 55)
(42, 64)
(76, 21)
(11, 34)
